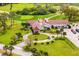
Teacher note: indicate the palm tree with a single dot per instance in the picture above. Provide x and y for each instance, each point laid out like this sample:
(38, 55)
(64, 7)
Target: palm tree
(64, 33)
(11, 48)
(3, 18)
(61, 31)
(11, 16)
(46, 5)
(57, 32)
(5, 48)
(11, 6)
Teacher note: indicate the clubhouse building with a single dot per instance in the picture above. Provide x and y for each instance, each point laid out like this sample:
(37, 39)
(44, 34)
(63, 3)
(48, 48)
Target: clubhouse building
(43, 24)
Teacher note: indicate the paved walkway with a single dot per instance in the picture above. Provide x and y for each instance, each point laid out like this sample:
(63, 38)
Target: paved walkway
(46, 40)
(57, 14)
(18, 50)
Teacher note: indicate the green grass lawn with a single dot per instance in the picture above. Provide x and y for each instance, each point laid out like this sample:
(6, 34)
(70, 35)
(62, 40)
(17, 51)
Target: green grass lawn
(31, 17)
(38, 36)
(16, 7)
(59, 17)
(6, 38)
(58, 48)
(20, 6)
(52, 31)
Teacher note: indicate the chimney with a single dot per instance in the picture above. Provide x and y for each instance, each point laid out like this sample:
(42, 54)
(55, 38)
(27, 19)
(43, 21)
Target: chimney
(46, 20)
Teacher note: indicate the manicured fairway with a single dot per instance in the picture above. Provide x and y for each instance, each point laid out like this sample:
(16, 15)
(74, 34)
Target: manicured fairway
(32, 17)
(58, 48)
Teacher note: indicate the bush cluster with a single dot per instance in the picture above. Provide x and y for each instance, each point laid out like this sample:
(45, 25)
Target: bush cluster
(36, 11)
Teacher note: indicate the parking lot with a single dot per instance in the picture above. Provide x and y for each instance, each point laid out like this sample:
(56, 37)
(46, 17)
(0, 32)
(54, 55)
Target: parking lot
(74, 38)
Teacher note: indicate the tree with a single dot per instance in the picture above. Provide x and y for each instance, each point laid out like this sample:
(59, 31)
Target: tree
(18, 34)
(45, 53)
(64, 33)
(46, 5)
(11, 16)
(70, 12)
(33, 50)
(61, 31)
(40, 11)
(52, 10)
(29, 42)
(11, 6)
(5, 47)
(14, 40)
(36, 53)
(25, 11)
(26, 48)
(3, 18)
(58, 32)
(11, 48)
(37, 5)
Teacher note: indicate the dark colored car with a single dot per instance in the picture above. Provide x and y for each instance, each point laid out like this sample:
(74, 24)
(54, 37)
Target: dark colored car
(73, 31)
(77, 30)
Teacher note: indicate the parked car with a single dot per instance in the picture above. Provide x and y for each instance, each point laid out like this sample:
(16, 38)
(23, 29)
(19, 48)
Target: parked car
(77, 30)
(69, 26)
(73, 31)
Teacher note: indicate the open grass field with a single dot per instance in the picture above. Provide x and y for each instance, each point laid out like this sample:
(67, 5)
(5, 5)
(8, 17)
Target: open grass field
(57, 48)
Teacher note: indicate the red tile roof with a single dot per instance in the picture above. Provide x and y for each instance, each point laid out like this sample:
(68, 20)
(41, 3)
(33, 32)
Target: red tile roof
(36, 24)
(53, 22)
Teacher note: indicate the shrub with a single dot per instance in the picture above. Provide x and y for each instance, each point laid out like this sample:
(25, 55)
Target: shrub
(52, 10)
(35, 43)
(36, 39)
(52, 41)
(47, 42)
(40, 12)
(33, 50)
(42, 43)
(48, 37)
(52, 26)
(25, 12)
(41, 51)
(52, 36)
(18, 12)
(26, 48)
(36, 54)
(19, 34)
(46, 53)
